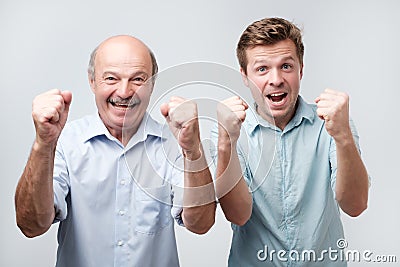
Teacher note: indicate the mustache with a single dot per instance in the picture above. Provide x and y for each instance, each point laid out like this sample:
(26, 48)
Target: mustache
(131, 101)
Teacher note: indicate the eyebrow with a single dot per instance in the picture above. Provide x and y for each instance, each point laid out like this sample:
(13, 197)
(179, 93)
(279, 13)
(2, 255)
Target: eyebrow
(136, 73)
(282, 59)
(289, 58)
(109, 73)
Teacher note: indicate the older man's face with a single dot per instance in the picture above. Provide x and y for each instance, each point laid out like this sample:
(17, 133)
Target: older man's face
(122, 83)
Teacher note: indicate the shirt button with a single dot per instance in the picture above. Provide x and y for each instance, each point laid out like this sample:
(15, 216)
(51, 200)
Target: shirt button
(288, 221)
(123, 182)
(121, 212)
(120, 243)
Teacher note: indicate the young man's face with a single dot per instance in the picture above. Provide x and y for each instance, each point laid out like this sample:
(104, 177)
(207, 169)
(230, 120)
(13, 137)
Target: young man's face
(273, 76)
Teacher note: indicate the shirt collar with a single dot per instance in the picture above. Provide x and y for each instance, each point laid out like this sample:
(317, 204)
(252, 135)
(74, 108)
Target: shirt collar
(95, 128)
(148, 126)
(303, 110)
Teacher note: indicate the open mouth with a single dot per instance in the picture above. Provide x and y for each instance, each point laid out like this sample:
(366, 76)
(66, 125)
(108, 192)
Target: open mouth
(124, 104)
(276, 98)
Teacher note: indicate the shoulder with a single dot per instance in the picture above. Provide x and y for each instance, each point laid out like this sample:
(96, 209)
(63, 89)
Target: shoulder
(79, 125)
(78, 128)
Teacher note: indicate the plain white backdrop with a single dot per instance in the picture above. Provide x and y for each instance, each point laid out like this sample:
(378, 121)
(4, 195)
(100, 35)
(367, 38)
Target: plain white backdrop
(351, 46)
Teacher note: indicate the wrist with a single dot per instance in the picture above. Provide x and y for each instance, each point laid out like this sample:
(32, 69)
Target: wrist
(40, 146)
(226, 144)
(192, 154)
(195, 162)
(226, 138)
(344, 142)
(345, 138)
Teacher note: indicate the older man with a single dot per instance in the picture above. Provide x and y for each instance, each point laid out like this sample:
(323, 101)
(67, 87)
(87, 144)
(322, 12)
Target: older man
(114, 180)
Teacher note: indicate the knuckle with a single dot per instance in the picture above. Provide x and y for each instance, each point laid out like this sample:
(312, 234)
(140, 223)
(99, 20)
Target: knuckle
(57, 105)
(55, 91)
(343, 95)
(52, 110)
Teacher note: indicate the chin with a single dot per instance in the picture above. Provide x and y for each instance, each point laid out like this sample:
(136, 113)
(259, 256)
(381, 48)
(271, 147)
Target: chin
(133, 119)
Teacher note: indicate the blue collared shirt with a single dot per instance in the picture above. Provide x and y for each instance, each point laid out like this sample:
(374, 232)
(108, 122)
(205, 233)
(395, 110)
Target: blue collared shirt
(295, 219)
(116, 205)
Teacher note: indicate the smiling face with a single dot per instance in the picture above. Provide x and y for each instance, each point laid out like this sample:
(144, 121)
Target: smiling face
(122, 84)
(273, 75)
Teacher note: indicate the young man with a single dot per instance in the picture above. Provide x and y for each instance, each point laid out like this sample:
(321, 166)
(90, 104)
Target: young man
(304, 162)
(113, 179)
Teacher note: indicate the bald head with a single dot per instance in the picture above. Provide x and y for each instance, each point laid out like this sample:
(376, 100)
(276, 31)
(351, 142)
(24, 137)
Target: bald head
(114, 45)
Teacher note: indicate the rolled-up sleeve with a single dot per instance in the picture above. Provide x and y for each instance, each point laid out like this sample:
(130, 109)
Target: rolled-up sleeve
(177, 178)
(60, 185)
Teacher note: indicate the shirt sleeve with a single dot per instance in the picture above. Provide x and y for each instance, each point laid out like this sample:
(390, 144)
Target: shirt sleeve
(214, 150)
(243, 160)
(333, 156)
(60, 185)
(177, 178)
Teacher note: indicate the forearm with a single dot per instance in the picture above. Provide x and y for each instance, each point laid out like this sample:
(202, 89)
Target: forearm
(232, 190)
(351, 179)
(199, 195)
(34, 199)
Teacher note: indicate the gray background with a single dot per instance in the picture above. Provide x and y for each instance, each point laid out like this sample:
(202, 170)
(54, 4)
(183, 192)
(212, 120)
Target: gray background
(350, 46)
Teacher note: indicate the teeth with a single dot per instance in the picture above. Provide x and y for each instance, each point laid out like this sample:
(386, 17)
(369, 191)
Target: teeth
(124, 104)
(277, 94)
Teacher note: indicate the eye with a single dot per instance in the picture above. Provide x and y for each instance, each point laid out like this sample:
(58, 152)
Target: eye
(286, 66)
(139, 80)
(110, 80)
(261, 69)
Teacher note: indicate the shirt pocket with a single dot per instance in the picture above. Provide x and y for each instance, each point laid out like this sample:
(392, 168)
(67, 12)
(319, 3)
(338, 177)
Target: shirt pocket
(153, 209)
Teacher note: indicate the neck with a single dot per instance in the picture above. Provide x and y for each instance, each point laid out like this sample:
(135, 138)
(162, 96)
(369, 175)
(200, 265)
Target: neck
(123, 134)
(280, 122)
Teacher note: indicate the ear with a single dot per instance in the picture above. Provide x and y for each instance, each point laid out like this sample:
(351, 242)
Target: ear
(91, 82)
(244, 77)
(301, 71)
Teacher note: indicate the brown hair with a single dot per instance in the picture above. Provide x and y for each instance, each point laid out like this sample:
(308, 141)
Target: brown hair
(268, 31)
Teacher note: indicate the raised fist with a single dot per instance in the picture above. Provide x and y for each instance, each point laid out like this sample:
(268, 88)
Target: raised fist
(182, 117)
(333, 107)
(231, 113)
(50, 112)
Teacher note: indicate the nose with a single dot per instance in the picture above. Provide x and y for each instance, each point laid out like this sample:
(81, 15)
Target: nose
(275, 77)
(125, 90)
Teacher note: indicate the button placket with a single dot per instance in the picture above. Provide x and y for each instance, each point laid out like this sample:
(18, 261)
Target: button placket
(122, 221)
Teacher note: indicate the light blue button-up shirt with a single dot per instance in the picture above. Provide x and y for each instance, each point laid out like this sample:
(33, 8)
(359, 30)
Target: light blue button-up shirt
(116, 205)
(292, 174)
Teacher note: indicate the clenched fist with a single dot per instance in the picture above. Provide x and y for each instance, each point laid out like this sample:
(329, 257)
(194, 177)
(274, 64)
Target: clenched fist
(231, 113)
(182, 118)
(333, 107)
(50, 112)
